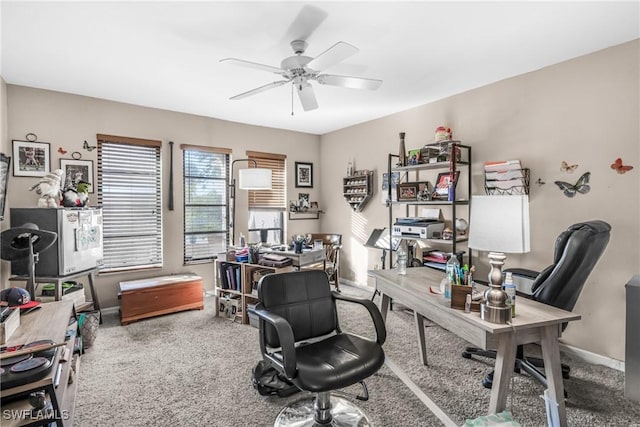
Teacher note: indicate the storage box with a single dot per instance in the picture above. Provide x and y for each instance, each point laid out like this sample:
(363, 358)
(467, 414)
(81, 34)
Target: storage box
(156, 296)
(459, 297)
(9, 325)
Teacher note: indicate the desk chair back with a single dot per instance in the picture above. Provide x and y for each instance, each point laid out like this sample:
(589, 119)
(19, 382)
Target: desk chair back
(577, 251)
(332, 244)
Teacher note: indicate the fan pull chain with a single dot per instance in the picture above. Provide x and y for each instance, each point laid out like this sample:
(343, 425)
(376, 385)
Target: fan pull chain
(292, 100)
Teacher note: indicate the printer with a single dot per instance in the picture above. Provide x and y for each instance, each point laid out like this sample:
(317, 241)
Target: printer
(418, 228)
(429, 226)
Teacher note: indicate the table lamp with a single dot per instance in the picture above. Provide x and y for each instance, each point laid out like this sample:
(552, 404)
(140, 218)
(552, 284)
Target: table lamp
(498, 224)
(248, 179)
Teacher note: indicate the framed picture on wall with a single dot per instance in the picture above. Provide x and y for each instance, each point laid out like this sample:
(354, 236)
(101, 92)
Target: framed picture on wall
(76, 171)
(304, 175)
(31, 158)
(5, 163)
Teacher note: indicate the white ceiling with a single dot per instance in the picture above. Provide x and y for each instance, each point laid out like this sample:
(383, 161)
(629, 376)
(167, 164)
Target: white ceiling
(166, 54)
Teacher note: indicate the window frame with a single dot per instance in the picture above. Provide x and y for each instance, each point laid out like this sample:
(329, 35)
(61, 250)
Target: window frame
(226, 228)
(116, 143)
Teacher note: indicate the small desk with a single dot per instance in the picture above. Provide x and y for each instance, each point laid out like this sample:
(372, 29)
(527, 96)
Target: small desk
(534, 322)
(59, 280)
(308, 256)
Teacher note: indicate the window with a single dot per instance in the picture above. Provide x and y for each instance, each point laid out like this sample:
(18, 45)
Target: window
(129, 192)
(206, 202)
(266, 207)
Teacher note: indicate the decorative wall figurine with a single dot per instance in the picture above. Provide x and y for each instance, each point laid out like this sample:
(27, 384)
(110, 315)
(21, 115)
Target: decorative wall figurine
(62, 151)
(88, 147)
(619, 167)
(540, 182)
(567, 168)
(582, 186)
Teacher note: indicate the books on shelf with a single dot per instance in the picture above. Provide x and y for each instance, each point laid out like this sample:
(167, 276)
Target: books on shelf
(230, 276)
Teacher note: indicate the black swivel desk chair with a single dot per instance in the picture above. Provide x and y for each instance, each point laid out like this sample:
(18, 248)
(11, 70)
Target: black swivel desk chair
(577, 251)
(301, 338)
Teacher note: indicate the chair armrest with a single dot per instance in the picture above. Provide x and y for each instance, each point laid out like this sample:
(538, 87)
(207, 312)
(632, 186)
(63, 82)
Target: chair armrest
(285, 336)
(378, 323)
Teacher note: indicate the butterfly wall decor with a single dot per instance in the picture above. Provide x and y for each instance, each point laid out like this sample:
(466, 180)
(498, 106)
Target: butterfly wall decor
(88, 147)
(619, 167)
(582, 186)
(565, 167)
(62, 151)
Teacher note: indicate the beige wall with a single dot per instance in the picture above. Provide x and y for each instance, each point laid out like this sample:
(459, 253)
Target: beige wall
(584, 111)
(66, 120)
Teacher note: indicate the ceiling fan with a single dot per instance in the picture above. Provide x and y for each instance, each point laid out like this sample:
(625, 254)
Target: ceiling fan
(300, 70)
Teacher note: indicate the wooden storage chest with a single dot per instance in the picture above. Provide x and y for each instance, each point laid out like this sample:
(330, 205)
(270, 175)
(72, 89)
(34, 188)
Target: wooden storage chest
(155, 296)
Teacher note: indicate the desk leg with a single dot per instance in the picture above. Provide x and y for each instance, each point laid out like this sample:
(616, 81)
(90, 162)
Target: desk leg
(421, 337)
(384, 306)
(553, 371)
(505, 359)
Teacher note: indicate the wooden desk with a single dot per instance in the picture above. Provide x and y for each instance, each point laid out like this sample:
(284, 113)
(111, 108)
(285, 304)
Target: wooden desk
(307, 257)
(49, 322)
(534, 322)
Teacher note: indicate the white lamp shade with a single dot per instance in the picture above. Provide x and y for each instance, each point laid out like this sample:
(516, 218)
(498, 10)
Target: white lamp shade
(254, 179)
(499, 224)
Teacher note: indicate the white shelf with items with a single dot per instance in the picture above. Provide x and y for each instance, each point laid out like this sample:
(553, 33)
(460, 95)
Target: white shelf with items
(453, 165)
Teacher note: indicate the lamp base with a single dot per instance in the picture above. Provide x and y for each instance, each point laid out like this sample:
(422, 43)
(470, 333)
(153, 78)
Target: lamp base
(495, 314)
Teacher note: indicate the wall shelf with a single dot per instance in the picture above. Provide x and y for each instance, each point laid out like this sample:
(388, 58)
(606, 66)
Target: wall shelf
(357, 190)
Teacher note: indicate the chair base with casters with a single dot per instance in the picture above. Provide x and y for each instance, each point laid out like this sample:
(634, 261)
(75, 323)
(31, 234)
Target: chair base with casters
(530, 365)
(323, 409)
(300, 337)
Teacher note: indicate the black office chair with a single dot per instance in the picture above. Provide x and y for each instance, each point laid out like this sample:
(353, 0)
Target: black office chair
(577, 251)
(300, 337)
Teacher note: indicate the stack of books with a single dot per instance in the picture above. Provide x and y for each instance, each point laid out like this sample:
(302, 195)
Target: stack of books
(438, 259)
(506, 177)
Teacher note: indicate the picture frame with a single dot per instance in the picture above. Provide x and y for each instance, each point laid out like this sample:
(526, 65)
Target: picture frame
(31, 158)
(76, 170)
(5, 164)
(441, 189)
(304, 175)
(419, 191)
(414, 157)
(408, 191)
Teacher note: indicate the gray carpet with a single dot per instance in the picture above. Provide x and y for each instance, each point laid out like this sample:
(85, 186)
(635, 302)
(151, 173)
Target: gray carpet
(192, 369)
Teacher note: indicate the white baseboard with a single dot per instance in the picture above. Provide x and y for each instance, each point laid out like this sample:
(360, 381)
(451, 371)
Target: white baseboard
(593, 358)
(583, 355)
(110, 310)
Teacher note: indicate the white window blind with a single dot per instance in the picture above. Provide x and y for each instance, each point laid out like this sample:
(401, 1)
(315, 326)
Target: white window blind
(276, 197)
(206, 202)
(129, 183)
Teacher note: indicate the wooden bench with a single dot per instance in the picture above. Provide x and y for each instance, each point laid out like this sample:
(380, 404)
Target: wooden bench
(140, 299)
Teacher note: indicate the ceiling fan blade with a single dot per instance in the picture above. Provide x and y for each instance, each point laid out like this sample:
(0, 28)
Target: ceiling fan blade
(307, 21)
(254, 65)
(260, 89)
(336, 53)
(350, 82)
(307, 97)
